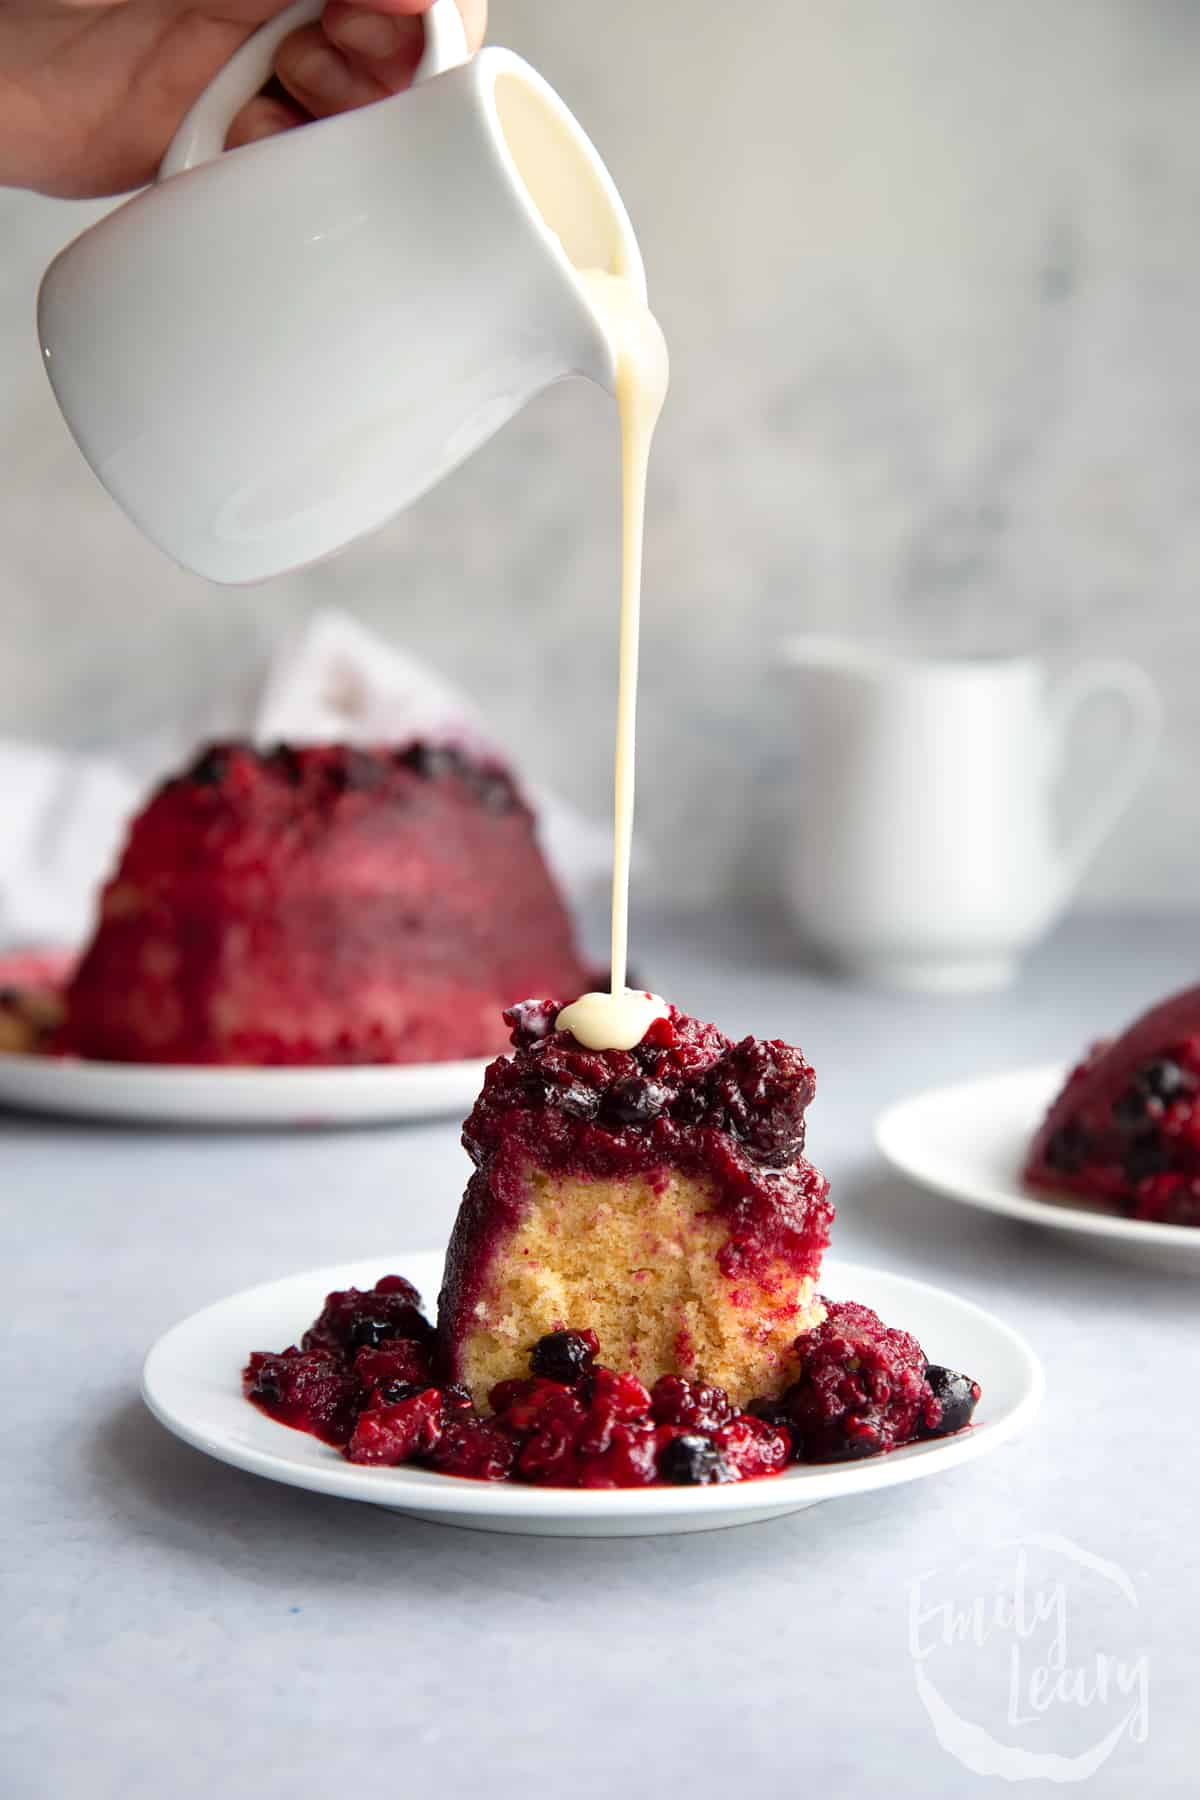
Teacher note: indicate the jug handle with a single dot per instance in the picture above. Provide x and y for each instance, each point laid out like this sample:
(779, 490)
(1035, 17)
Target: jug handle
(201, 136)
(1138, 695)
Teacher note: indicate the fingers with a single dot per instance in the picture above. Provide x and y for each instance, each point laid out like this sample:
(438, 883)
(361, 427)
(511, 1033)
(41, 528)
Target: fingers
(474, 14)
(324, 80)
(263, 117)
(357, 53)
(384, 46)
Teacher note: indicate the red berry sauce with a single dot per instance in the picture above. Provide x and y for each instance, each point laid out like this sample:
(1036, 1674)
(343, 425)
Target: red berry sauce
(361, 1379)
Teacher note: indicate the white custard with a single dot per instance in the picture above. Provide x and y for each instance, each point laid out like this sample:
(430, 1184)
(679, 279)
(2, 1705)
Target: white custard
(619, 1019)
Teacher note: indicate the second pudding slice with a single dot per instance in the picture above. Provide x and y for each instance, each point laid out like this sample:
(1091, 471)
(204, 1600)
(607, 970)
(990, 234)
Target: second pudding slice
(658, 1197)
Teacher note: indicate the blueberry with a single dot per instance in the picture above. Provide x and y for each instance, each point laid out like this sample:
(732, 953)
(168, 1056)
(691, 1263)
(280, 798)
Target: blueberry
(861, 1439)
(565, 1356)
(956, 1394)
(493, 790)
(392, 1392)
(358, 769)
(1163, 1078)
(692, 1461)
(1146, 1156)
(1130, 1109)
(1067, 1148)
(773, 1408)
(433, 761)
(209, 768)
(284, 760)
(368, 1333)
(636, 1101)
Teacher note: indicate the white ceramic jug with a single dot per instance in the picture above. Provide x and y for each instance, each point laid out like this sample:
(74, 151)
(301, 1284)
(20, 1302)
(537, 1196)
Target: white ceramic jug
(926, 852)
(274, 349)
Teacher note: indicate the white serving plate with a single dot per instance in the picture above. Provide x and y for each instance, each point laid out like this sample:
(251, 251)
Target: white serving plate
(159, 1094)
(969, 1143)
(191, 1382)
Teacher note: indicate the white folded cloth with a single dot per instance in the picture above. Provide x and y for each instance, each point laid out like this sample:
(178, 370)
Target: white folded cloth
(63, 814)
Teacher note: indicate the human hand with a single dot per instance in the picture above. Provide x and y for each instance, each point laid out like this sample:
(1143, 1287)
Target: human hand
(91, 91)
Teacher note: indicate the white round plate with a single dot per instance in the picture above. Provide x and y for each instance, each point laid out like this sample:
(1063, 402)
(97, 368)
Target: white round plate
(158, 1094)
(969, 1142)
(191, 1382)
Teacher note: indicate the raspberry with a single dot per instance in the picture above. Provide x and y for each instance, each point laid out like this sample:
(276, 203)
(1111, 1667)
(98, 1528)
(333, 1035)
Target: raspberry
(751, 1447)
(398, 1434)
(470, 1447)
(676, 1401)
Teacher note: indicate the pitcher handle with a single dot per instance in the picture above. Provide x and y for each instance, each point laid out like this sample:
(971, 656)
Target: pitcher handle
(1143, 726)
(205, 126)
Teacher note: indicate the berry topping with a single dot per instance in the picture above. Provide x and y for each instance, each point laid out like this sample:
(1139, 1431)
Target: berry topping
(565, 1356)
(764, 1088)
(685, 1096)
(636, 1101)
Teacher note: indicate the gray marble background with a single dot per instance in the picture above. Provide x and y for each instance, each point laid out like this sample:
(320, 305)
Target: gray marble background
(930, 276)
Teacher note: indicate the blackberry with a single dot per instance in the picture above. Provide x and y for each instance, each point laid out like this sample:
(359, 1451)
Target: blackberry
(636, 1101)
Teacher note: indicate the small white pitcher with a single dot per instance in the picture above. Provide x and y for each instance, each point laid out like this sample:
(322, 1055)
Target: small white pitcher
(925, 853)
(273, 350)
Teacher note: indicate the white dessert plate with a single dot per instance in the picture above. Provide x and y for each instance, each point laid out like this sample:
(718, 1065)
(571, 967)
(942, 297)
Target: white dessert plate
(159, 1094)
(191, 1382)
(969, 1143)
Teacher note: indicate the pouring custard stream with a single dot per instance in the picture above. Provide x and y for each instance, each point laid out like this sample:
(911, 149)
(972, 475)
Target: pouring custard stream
(620, 1019)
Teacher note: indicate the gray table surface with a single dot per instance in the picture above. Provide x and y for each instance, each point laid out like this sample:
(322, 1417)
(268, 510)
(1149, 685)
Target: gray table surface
(172, 1627)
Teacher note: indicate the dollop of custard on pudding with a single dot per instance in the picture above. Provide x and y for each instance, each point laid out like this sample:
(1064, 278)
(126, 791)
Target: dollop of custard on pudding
(612, 1021)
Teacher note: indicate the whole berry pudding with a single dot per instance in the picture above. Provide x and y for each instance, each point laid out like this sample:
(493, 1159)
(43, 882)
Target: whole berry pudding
(630, 1294)
(321, 904)
(1125, 1130)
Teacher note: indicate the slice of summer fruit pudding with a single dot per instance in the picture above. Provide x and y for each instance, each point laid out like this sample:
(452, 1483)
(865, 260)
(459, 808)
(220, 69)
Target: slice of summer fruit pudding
(658, 1195)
